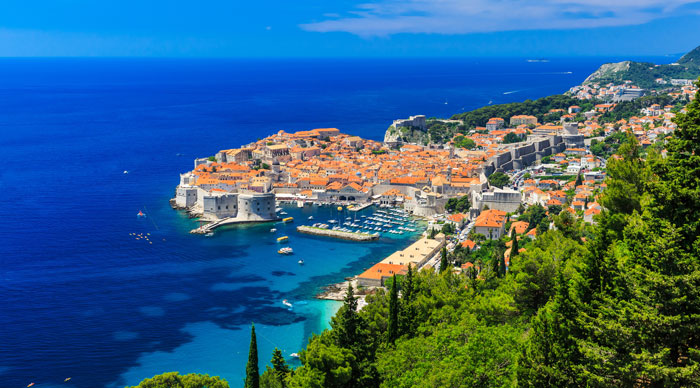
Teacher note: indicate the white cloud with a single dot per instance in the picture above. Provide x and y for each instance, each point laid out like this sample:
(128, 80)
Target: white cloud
(386, 17)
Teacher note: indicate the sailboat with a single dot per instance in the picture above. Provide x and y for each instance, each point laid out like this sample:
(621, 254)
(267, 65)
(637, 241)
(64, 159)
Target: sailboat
(140, 214)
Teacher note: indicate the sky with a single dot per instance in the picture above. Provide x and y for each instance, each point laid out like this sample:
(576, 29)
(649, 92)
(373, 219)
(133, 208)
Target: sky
(344, 28)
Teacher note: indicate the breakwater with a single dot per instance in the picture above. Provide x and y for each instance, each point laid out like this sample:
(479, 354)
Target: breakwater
(352, 236)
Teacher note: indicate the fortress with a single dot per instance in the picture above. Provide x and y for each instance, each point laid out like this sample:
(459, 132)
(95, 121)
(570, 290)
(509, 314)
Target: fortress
(217, 204)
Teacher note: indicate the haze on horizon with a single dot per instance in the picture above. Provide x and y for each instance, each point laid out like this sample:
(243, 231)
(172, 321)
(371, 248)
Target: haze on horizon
(378, 28)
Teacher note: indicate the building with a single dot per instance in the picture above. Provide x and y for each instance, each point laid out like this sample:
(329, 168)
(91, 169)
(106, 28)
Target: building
(378, 273)
(522, 120)
(491, 223)
(506, 200)
(495, 123)
(417, 121)
(418, 253)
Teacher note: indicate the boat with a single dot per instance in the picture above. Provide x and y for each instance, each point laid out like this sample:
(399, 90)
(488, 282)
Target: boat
(209, 234)
(286, 303)
(288, 219)
(140, 214)
(282, 239)
(273, 230)
(126, 172)
(301, 261)
(300, 203)
(283, 212)
(285, 251)
(295, 355)
(311, 217)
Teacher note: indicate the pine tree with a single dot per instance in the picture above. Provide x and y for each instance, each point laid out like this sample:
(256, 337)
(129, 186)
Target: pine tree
(279, 365)
(252, 373)
(444, 264)
(346, 323)
(393, 327)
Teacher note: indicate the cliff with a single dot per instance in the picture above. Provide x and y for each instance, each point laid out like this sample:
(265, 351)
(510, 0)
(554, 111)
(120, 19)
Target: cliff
(608, 70)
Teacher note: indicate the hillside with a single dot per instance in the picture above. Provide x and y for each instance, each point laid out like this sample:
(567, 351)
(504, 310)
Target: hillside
(645, 74)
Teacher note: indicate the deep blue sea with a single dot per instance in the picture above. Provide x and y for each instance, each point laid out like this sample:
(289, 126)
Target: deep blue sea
(80, 297)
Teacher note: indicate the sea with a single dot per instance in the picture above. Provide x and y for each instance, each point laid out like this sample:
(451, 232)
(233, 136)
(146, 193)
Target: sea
(84, 295)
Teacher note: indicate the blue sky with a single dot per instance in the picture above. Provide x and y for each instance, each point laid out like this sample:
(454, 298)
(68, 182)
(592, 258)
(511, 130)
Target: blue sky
(343, 28)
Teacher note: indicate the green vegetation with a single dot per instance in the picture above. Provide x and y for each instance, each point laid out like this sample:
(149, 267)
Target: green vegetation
(212, 158)
(378, 152)
(175, 380)
(276, 376)
(513, 138)
(616, 310)
(609, 145)
(464, 142)
(458, 205)
(627, 109)
(252, 374)
(499, 179)
(644, 74)
(538, 108)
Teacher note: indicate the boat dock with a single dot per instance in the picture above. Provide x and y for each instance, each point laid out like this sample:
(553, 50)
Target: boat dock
(352, 236)
(357, 208)
(209, 228)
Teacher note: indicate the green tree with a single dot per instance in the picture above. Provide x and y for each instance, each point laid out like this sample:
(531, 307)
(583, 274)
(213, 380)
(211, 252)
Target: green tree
(407, 310)
(444, 264)
(499, 179)
(252, 373)
(276, 376)
(346, 323)
(175, 380)
(514, 246)
(393, 329)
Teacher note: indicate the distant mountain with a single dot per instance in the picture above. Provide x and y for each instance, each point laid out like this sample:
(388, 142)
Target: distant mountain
(645, 74)
(691, 58)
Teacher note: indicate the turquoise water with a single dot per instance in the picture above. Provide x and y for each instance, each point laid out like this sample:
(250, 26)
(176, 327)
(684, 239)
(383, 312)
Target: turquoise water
(223, 350)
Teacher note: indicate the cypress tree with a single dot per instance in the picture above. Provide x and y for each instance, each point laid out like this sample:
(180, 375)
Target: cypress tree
(393, 330)
(443, 260)
(252, 373)
(579, 181)
(514, 248)
(502, 266)
(279, 365)
(407, 311)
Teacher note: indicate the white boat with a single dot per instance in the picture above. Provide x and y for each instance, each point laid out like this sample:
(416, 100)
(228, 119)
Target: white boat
(295, 355)
(301, 261)
(209, 234)
(273, 230)
(286, 303)
(311, 217)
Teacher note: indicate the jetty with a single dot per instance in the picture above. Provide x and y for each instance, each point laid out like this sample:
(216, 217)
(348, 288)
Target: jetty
(357, 208)
(352, 236)
(209, 228)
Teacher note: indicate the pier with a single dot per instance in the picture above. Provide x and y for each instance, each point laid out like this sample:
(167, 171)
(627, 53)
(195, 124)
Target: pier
(352, 236)
(357, 208)
(209, 228)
